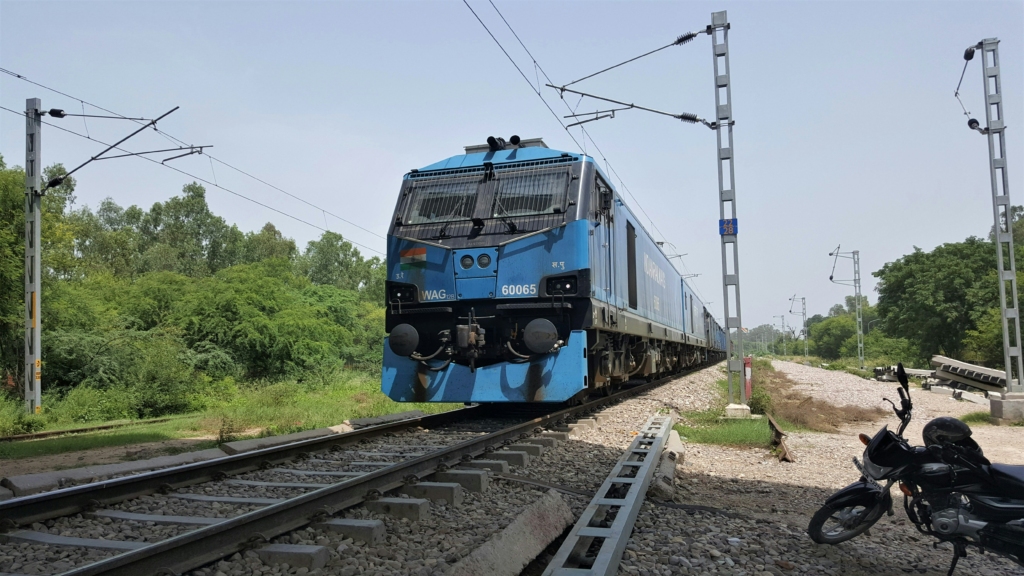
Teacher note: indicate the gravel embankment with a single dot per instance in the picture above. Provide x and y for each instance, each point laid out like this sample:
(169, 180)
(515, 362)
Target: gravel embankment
(767, 504)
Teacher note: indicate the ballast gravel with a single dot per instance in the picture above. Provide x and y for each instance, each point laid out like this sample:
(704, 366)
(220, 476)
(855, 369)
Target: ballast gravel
(752, 520)
(431, 546)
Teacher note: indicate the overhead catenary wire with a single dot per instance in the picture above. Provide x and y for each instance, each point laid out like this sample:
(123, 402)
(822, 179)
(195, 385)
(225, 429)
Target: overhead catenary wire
(172, 138)
(679, 41)
(198, 178)
(586, 135)
(583, 130)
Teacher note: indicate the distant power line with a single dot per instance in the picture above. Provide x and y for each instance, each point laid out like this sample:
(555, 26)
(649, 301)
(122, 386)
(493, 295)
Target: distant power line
(205, 181)
(181, 142)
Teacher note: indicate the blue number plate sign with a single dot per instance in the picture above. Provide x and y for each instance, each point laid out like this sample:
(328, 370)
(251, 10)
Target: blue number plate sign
(727, 227)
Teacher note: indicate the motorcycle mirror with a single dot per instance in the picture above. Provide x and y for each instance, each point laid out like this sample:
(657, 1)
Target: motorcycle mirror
(901, 375)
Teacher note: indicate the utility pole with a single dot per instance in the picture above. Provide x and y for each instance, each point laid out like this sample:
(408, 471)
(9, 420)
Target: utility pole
(855, 256)
(33, 256)
(727, 223)
(803, 303)
(995, 130)
(783, 318)
(34, 192)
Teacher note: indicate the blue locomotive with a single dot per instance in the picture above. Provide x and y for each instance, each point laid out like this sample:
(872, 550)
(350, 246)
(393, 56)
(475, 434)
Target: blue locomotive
(516, 273)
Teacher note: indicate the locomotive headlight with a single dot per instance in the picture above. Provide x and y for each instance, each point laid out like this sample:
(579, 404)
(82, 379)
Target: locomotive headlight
(483, 260)
(466, 262)
(561, 286)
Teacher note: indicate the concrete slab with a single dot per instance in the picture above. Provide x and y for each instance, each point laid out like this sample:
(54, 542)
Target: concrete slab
(294, 555)
(492, 465)
(413, 509)
(450, 492)
(154, 518)
(738, 411)
(663, 485)
(975, 398)
(941, 390)
(240, 446)
(513, 458)
(27, 484)
(358, 423)
(472, 480)
(5, 494)
(541, 441)
(32, 537)
(531, 449)
(369, 531)
(509, 551)
(560, 436)
(1006, 409)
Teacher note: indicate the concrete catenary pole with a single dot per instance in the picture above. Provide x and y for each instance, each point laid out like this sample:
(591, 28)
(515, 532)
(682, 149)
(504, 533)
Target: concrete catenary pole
(33, 254)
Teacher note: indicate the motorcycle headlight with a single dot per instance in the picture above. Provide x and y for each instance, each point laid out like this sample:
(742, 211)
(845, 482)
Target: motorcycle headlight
(872, 470)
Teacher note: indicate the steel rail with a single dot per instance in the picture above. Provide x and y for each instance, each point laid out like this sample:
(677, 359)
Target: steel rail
(196, 548)
(46, 505)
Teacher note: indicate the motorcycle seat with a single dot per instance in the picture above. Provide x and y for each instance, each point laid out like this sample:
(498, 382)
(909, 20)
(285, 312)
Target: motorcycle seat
(1009, 477)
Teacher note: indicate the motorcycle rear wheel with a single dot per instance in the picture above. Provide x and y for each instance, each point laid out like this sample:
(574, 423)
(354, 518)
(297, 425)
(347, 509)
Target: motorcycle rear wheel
(831, 525)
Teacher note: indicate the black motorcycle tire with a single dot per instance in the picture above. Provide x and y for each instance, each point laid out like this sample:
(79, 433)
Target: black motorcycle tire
(815, 528)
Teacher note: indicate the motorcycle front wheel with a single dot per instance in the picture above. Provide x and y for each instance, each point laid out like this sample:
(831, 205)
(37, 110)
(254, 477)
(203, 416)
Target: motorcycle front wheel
(831, 525)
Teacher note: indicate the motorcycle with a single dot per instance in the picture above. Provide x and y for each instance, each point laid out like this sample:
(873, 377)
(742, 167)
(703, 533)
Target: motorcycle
(950, 490)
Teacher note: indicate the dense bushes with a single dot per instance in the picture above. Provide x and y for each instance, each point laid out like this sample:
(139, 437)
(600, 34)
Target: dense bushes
(169, 310)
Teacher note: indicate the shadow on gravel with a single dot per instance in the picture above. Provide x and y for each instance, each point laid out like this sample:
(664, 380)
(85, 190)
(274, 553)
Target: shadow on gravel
(761, 528)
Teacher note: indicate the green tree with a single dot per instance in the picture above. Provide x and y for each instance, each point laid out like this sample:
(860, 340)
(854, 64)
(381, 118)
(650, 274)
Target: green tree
(829, 335)
(932, 299)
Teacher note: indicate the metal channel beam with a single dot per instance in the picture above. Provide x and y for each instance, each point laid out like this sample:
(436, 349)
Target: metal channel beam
(623, 493)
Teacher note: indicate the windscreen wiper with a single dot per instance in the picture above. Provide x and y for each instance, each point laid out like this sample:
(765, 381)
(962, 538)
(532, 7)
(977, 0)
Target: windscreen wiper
(512, 228)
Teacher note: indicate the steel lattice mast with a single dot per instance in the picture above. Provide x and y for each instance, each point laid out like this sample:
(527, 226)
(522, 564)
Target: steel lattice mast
(727, 224)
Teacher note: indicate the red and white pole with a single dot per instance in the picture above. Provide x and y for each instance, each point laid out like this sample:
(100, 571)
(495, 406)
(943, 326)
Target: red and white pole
(747, 373)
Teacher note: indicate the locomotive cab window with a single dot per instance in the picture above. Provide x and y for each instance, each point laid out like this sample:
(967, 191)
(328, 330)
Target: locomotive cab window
(530, 192)
(442, 200)
(602, 195)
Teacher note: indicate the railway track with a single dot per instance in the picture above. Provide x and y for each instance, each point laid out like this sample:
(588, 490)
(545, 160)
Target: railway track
(185, 517)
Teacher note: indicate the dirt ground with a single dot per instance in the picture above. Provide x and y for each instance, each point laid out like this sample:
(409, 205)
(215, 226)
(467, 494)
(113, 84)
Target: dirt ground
(752, 483)
(96, 456)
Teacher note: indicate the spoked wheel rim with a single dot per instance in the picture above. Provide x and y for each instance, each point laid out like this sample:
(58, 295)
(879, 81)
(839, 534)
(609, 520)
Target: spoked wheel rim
(843, 520)
(834, 525)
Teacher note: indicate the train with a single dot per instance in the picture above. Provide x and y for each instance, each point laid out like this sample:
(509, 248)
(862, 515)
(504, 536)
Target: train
(517, 273)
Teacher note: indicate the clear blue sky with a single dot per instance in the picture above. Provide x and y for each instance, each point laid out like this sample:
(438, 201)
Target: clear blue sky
(847, 130)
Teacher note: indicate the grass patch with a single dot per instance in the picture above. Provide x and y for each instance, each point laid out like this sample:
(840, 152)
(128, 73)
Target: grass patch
(287, 407)
(183, 428)
(981, 417)
(772, 394)
(253, 410)
(745, 433)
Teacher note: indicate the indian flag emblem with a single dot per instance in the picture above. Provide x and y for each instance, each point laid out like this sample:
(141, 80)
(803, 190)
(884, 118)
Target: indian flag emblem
(413, 258)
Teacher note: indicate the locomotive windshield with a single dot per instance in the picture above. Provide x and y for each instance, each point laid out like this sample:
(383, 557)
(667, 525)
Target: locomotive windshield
(443, 200)
(528, 193)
